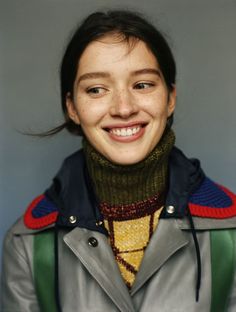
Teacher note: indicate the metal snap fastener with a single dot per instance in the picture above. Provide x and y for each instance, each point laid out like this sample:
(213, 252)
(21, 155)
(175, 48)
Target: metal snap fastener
(170, 209)
(72, 219)
(99, 223)
(92, 241)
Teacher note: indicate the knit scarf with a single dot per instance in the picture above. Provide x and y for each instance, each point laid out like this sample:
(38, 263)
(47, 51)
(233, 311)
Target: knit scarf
(131, 199)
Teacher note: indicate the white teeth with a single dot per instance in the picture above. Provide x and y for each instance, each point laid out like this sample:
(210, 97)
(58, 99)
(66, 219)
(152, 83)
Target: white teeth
(124, 132)
(129, 132)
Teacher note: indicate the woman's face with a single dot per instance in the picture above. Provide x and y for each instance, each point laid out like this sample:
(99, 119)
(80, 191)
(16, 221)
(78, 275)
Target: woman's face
(120, 99)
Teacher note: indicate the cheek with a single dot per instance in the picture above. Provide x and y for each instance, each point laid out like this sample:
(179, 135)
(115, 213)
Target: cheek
(156, 106)
(85, 118)
(90, 112)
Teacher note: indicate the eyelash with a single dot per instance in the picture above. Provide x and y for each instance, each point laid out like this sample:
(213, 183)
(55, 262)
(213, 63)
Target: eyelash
(95, 90)
(149, 84)
(91, 90)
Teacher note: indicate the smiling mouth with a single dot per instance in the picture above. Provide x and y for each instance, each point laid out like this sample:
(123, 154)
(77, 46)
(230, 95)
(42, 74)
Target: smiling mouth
(126, 131)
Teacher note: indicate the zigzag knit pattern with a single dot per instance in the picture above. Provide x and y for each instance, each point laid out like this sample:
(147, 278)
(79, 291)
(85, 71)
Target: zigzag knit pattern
(130, 229)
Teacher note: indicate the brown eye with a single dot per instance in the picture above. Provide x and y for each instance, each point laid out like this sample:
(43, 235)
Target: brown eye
(95, 90)
(143, 85)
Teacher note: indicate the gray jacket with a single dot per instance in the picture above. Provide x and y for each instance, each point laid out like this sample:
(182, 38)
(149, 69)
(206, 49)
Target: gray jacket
(89, 278)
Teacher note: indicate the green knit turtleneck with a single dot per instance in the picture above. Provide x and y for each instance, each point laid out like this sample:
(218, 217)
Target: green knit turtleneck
(123, 185)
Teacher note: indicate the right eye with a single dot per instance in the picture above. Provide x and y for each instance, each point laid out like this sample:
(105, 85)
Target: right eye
(96, 91)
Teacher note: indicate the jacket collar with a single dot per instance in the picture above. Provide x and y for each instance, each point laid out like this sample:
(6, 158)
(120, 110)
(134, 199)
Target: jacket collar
(72, 191)
(185, 176)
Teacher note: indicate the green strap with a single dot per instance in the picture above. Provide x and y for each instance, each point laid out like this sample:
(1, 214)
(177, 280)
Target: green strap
(44, 270)
(222, 264)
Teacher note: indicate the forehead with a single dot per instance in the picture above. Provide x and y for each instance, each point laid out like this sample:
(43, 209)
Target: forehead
(113, 52)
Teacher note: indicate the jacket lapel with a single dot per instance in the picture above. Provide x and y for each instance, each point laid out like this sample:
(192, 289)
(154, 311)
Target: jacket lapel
(165, 242)
(99, 261)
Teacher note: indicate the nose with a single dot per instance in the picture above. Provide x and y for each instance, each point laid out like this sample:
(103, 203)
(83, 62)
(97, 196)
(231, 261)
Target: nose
(123, 104)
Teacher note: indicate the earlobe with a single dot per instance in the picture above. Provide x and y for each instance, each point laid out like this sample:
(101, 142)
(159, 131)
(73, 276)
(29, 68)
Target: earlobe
(72, 112)
(172, 101)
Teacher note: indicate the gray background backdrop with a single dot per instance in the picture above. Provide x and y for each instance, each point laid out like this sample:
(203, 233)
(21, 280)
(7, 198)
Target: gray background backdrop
(33, 35)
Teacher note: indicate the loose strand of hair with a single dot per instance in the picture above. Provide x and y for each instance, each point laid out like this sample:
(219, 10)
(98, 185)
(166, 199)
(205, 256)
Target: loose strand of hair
(47, 133)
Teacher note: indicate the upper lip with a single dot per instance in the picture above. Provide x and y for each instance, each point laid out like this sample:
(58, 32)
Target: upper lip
(126, 125)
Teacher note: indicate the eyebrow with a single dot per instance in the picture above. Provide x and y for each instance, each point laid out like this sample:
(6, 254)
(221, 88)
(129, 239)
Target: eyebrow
(146, 71)
(94, 75)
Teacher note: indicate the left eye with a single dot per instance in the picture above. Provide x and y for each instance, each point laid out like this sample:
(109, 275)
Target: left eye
(143, 85)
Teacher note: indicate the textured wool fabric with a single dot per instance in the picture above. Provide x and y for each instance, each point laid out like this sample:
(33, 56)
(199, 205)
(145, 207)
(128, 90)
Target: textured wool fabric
(117, 184)
(130, 235)
(131, 199)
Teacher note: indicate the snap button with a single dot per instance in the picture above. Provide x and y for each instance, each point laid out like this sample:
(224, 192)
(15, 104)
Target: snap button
(99, 223)
(92, 241)
(170, 209)
(72, 219)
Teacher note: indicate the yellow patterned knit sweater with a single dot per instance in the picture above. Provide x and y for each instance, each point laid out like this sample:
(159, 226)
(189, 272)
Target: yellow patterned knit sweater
(129, 237)
(131, 199)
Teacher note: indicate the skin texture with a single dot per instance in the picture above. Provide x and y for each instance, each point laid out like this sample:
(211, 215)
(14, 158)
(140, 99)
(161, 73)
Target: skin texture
(126, 90)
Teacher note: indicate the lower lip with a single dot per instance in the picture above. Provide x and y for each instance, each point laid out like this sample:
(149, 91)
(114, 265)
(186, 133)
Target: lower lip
(127, 139)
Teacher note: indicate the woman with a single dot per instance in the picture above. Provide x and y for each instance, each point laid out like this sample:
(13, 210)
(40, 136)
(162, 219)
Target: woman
(129, 223)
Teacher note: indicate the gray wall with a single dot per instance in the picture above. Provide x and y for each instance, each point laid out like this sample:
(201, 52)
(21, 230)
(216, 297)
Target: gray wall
(32, 37)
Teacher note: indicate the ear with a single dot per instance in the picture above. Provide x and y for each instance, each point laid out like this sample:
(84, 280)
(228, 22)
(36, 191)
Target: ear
(71, 109)
(172, 101)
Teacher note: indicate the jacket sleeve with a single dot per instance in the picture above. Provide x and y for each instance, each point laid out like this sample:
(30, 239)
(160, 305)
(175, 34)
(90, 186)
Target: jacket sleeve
(232, 298)
(18, 293)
